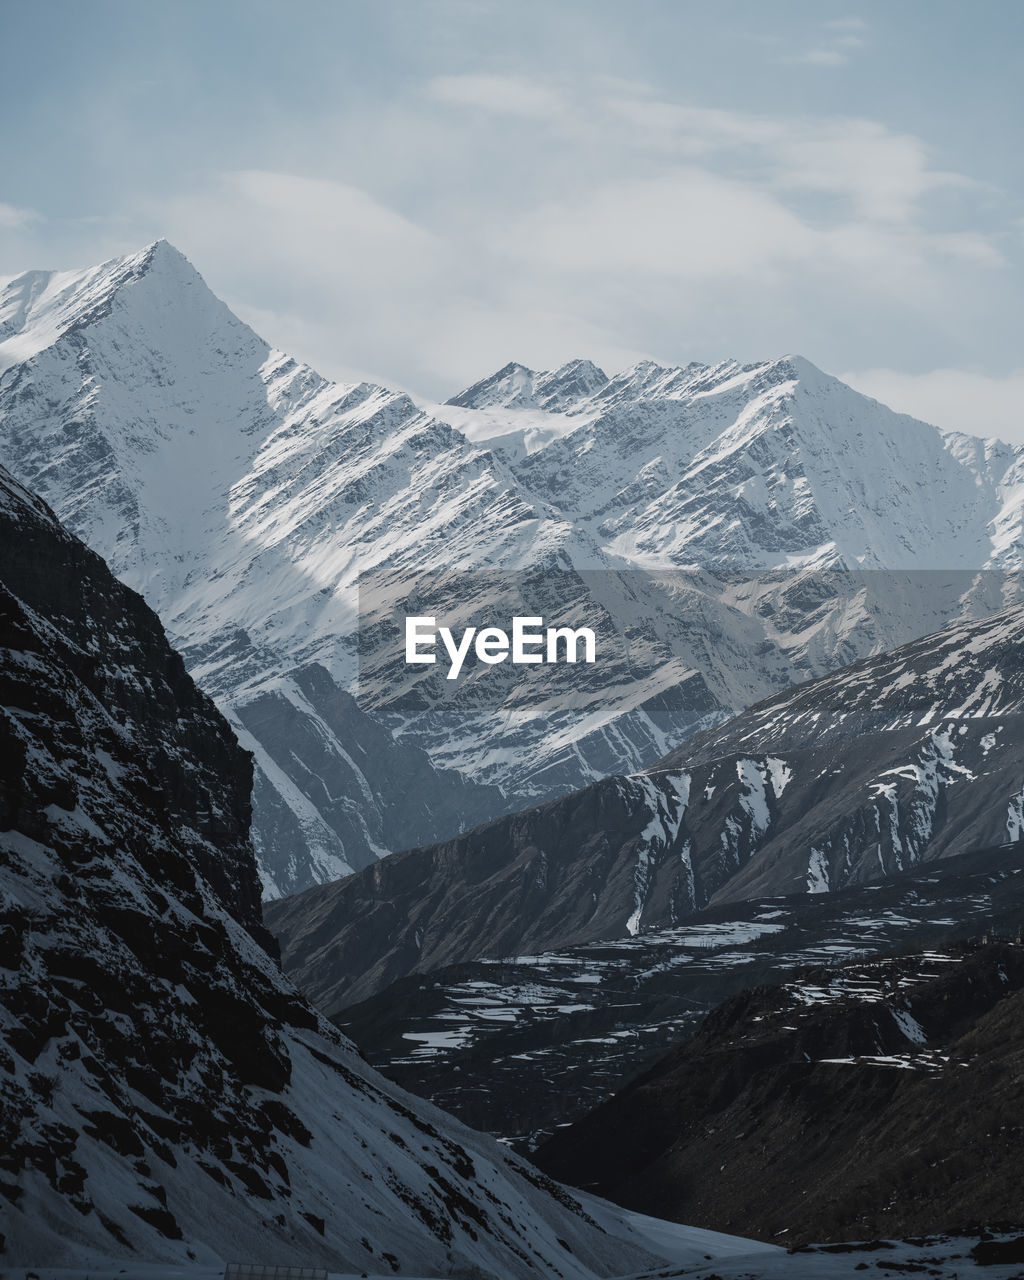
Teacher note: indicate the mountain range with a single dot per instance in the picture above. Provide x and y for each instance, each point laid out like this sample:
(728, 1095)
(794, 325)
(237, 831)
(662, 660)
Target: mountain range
(732, 529)
(802, 742)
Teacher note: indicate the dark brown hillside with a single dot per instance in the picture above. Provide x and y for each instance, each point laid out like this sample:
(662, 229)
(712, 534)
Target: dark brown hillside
(885, 1099)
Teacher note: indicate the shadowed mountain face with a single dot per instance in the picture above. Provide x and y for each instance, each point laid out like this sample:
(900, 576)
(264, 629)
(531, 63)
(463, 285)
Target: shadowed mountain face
(167, 1094)
(877, 1099)
(248, 499)
(895, 761)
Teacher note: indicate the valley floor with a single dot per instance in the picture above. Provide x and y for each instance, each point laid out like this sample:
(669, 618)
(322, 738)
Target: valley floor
(995, 1255)
(681, 1247)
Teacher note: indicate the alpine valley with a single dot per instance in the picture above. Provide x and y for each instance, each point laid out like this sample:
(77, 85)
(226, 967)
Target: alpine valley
(523, 1046)
(731, 530)
(237, 829)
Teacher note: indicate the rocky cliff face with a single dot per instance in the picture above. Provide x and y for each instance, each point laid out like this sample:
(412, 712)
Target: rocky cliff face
(892, 762)
(167, 1095)
(864, 1101)
(88, 679)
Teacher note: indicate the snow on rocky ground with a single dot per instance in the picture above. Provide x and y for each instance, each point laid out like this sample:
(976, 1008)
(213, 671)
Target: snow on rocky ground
(505, 1043)
(941, 1257)
(677, 1245)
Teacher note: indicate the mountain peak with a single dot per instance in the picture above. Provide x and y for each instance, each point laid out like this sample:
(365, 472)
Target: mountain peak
(567, 386)
(799, 367)
(515, 386)
(161, 253)
(512, 387)
(38, 307)
(579, 368)
(159, 261)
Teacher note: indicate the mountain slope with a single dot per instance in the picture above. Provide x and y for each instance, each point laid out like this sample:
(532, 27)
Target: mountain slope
(167, 1094)
(521, 1047)
(895, 761)
(690, 513)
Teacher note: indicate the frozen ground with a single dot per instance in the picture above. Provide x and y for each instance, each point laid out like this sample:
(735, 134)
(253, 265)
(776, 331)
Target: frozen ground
(679, 1245)
(939, 1257)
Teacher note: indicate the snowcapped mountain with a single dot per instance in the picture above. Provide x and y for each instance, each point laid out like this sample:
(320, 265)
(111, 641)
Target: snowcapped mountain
(763, 466)
(892, 762)
(168, 1095)
(221, 480)
(697, 514)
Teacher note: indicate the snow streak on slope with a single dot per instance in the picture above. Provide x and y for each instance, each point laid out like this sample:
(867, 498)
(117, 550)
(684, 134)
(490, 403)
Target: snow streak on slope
(667, 809)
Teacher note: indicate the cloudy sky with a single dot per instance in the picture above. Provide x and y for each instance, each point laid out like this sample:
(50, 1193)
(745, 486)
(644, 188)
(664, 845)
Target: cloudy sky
(418, 191)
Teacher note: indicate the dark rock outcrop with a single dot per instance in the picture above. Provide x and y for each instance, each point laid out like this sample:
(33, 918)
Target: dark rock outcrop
(89, 674)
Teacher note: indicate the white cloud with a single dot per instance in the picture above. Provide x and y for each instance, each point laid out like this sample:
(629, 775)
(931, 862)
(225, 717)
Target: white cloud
(884, 174)
(688, 224)
(620, 225)
(729, 202)
(296, 234)
(500, 94)
(957, 399)
(12, 217)
(819, 58)
(316, 220)
(839, 39)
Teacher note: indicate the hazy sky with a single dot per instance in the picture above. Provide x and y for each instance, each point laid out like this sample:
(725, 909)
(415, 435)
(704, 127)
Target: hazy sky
(418, 191)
